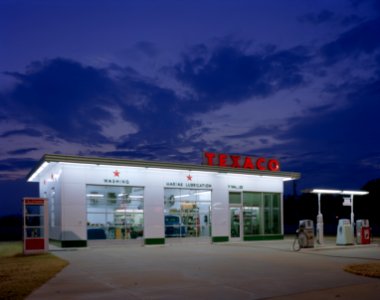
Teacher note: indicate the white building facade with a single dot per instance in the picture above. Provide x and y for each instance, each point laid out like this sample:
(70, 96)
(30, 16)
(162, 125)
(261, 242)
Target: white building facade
(228, 198)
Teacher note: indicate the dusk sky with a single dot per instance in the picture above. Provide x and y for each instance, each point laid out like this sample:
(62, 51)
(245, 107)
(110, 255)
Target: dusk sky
(298, 80)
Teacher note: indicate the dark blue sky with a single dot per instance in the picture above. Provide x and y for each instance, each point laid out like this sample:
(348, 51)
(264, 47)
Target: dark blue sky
(164, 80)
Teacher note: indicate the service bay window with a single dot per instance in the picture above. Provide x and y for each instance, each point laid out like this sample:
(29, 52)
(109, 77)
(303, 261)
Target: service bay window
(114, 212)
(187, 213)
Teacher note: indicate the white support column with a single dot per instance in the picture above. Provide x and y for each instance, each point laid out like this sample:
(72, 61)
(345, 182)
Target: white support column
(319, 222)
(352, 210)
(352, 216)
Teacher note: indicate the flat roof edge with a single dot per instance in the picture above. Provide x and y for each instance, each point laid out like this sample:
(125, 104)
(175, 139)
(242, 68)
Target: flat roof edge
(36, 167)
(155, 164)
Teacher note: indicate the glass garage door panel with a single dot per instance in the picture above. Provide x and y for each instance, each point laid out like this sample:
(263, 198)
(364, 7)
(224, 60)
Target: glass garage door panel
(114, 212)
(187, 213)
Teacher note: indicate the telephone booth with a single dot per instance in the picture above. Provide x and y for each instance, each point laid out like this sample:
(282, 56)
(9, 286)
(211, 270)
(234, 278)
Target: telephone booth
(35, 233)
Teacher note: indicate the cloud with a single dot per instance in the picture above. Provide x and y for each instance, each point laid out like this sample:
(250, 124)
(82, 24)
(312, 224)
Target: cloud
(16, 164)
(257, 131)
(372, 4)
(130, 154)
(317, 18)
(325, 144)
(228, 74)
(352, 20)
(22, 132)
(66, 100)
(354, 42)
(21, 151)
(353, 124)
(71, 102)
(147, 48)
(65, 97)
(156, 111)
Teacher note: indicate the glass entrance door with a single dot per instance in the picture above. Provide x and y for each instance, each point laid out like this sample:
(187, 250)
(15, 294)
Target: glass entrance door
(235, 223)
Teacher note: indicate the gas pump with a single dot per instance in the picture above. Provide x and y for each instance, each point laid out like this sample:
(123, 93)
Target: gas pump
(307, 227)
(363, 232)
(345, 235)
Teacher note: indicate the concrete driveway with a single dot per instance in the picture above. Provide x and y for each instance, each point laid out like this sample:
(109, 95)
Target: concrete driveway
(250, 270)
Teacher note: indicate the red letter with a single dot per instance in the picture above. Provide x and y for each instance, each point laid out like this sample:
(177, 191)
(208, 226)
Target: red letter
(222, 160)
(259, 164)
(210, 157)
(248, 163)
(235, 161)
(273, 165)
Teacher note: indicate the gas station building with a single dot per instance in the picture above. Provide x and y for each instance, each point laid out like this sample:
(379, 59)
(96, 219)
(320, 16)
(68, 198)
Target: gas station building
(226, 198)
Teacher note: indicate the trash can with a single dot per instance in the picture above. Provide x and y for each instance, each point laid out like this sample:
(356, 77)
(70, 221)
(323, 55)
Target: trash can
(345, 235)
(363, 232)
(307, 226)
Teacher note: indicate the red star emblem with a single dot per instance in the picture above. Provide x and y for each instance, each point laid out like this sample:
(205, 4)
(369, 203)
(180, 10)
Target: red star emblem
(116, 173)
(189, 177)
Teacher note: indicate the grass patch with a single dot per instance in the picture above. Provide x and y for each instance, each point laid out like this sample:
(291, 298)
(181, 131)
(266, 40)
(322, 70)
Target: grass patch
(10, 248)
(21, 274)
(370, 269)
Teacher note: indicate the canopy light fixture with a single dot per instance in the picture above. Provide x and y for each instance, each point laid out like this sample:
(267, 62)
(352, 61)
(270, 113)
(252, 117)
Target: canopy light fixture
(94, 195)
(361, 193)
(341, 192)
(324, 191)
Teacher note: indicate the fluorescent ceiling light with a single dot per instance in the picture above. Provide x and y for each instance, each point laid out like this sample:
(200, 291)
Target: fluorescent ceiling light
(340, 192)
(250, 208)
(355, 192)
(95, 195)
(128, 210)
(182, 196)
(202, 193)
(325, 191)
(195, 194)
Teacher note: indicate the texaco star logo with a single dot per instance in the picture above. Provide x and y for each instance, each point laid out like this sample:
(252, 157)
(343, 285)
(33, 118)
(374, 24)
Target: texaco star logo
(116, 173)
(189, 177)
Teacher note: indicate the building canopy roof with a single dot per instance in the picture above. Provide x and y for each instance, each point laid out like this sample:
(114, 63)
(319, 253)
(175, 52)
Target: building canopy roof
(82, 160)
